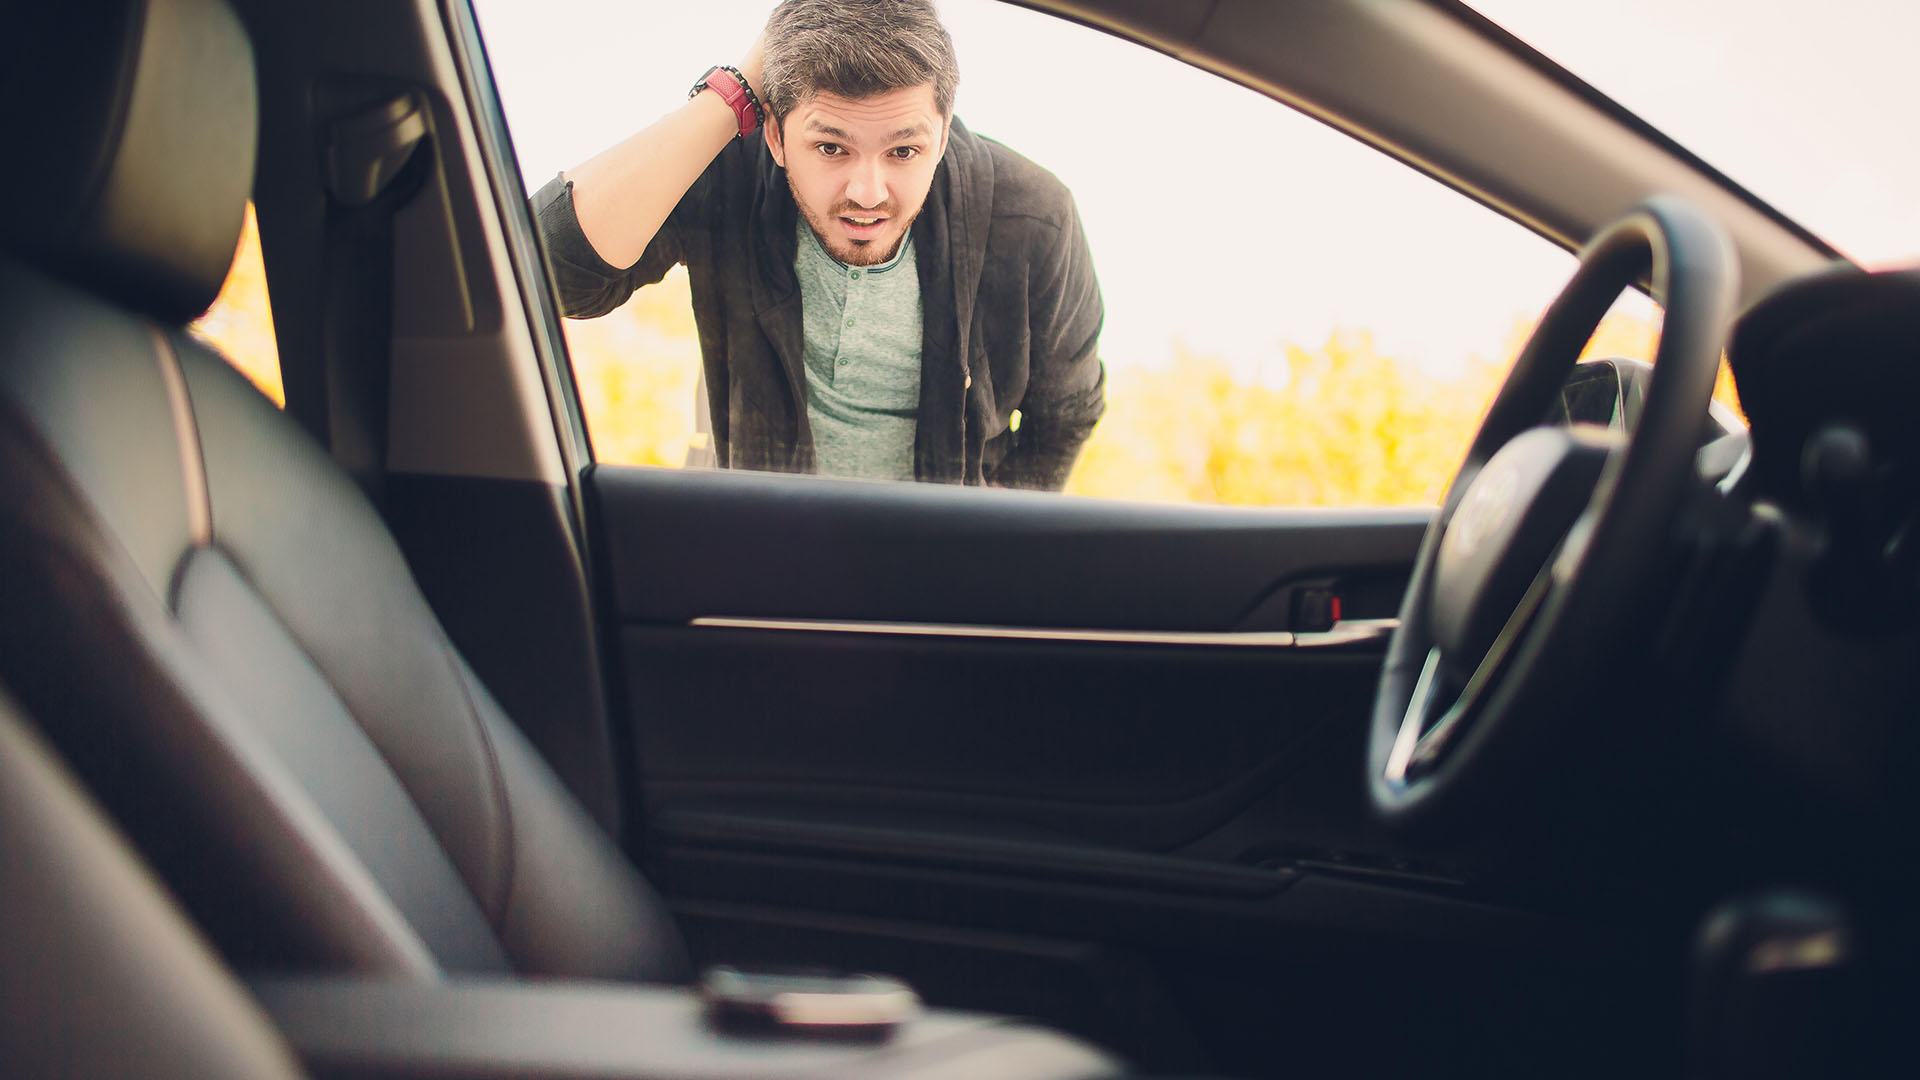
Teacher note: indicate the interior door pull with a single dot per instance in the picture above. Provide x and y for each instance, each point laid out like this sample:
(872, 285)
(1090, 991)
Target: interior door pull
(1349, 632)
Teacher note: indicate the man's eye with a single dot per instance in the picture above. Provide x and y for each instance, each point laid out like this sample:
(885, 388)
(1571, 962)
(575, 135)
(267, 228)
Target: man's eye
(906, 153)
(832, 149)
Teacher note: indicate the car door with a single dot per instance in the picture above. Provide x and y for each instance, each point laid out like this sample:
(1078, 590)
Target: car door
(1093, 757)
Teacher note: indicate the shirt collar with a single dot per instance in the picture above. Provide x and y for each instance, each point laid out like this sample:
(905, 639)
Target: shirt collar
(906, 245)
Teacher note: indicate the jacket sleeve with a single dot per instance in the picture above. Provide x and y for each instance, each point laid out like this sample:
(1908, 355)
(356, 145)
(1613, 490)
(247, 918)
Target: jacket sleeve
(586, 286)
(1067, 384)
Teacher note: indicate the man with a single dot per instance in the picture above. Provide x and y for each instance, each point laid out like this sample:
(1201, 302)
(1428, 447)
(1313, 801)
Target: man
(879, 292)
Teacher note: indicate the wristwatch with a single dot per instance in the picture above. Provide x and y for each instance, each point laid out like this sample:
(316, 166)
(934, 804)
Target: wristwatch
(732, 87)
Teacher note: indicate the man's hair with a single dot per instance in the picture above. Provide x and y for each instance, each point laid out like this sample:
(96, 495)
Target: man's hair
(856, 49)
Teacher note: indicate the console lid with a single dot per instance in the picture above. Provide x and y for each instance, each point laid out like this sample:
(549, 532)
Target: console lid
(485, 1028)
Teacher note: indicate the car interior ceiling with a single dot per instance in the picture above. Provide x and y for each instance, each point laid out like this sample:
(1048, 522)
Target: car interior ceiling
(296, 773)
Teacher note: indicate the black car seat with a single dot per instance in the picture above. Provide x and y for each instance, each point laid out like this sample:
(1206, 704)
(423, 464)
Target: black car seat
(207, 617)
(103, 976)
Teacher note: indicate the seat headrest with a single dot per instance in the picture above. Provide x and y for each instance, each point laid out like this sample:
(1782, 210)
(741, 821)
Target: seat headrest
(130, 129)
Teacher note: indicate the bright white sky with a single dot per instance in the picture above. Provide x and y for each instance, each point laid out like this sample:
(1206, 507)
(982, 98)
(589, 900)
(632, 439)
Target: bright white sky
(1813, 105)
(1228, 221)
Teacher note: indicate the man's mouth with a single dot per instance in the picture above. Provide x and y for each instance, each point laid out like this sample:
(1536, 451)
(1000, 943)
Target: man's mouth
(864, 226)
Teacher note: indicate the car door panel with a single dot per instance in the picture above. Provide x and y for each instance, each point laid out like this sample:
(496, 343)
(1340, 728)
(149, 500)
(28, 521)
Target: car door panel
(1139, 746)
(854, 728)
(764, 709)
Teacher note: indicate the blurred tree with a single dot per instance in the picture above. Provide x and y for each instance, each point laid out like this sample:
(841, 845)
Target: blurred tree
(240, 323)
(1347, 427)
(636, 369)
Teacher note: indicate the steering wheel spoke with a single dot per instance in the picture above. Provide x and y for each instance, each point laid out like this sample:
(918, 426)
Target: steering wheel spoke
(1420, 746)
(1413, 725)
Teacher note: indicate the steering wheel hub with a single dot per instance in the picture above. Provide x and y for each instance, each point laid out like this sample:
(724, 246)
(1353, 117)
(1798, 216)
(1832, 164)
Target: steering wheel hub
(1510, 522)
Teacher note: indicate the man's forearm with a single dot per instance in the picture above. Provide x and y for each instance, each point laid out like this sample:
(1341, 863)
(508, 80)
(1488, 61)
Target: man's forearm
(624, 194)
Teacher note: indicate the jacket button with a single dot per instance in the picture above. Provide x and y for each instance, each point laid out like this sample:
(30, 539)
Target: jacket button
(969, 382)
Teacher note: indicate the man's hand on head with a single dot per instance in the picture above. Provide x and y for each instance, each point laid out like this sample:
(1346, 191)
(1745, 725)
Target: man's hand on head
(623, 196)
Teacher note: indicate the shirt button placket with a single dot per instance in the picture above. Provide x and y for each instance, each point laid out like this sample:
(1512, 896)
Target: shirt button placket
(853, 298)
(845, 326)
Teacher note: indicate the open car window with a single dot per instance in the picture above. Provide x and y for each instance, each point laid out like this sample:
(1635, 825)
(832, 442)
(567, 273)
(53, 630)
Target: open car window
(1291, 318)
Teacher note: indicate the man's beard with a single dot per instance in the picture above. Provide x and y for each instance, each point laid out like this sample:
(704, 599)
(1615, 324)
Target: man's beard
(853, 252)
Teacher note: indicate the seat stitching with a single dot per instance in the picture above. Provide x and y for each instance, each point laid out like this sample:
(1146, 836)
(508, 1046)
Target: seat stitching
(193, 464)
(508, 864)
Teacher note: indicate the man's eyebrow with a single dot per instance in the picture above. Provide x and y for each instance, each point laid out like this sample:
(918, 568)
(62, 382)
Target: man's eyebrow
(828, 129)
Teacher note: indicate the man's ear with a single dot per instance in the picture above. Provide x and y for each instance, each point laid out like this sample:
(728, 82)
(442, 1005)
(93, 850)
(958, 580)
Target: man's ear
(774, 143)
(946, 129)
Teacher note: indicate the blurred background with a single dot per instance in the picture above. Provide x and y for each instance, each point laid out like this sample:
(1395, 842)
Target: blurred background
(1292, 318)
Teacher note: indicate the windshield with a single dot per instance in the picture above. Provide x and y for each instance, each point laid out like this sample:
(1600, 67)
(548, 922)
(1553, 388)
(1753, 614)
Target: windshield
(1808, 106)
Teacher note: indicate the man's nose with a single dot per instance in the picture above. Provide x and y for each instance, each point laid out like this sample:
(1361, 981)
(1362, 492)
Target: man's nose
(867, 187)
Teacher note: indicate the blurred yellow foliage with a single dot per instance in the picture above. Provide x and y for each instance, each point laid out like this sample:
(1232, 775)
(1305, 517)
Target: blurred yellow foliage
(240, 322)
(635, 368)
(1348, 427)
(1342, 425)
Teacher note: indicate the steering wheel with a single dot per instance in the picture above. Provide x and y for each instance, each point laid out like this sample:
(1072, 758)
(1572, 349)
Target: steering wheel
(1522, 580)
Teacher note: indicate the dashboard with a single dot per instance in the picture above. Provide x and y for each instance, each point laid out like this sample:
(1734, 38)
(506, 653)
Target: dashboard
(1820, 719)
(1829, 373)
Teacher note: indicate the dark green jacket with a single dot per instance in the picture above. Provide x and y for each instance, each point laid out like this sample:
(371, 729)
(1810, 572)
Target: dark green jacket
(1011, 306)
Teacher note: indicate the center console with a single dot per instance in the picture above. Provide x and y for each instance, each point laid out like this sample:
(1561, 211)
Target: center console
(485, 1028)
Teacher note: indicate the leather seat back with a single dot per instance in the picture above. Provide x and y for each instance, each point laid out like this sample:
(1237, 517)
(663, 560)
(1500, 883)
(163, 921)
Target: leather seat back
(209, 618)
(103, 976)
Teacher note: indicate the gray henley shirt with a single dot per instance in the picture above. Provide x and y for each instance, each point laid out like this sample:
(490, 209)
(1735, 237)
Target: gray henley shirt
(862, 332)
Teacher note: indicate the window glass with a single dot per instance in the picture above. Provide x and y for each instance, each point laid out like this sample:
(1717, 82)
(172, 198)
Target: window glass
(1291, 318)
(239, 325)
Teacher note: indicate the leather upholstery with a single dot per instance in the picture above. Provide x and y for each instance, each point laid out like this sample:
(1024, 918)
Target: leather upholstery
(214, 624)
(130, 135)
(103, 977)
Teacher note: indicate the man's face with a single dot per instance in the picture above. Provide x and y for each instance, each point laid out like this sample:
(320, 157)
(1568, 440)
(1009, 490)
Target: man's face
(860, 168)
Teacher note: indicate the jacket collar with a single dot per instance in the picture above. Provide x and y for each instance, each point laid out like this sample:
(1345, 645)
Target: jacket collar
(775, 290)
(969, 169)
(951, 260)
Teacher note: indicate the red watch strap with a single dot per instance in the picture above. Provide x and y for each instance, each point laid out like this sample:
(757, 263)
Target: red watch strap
(735, 93)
